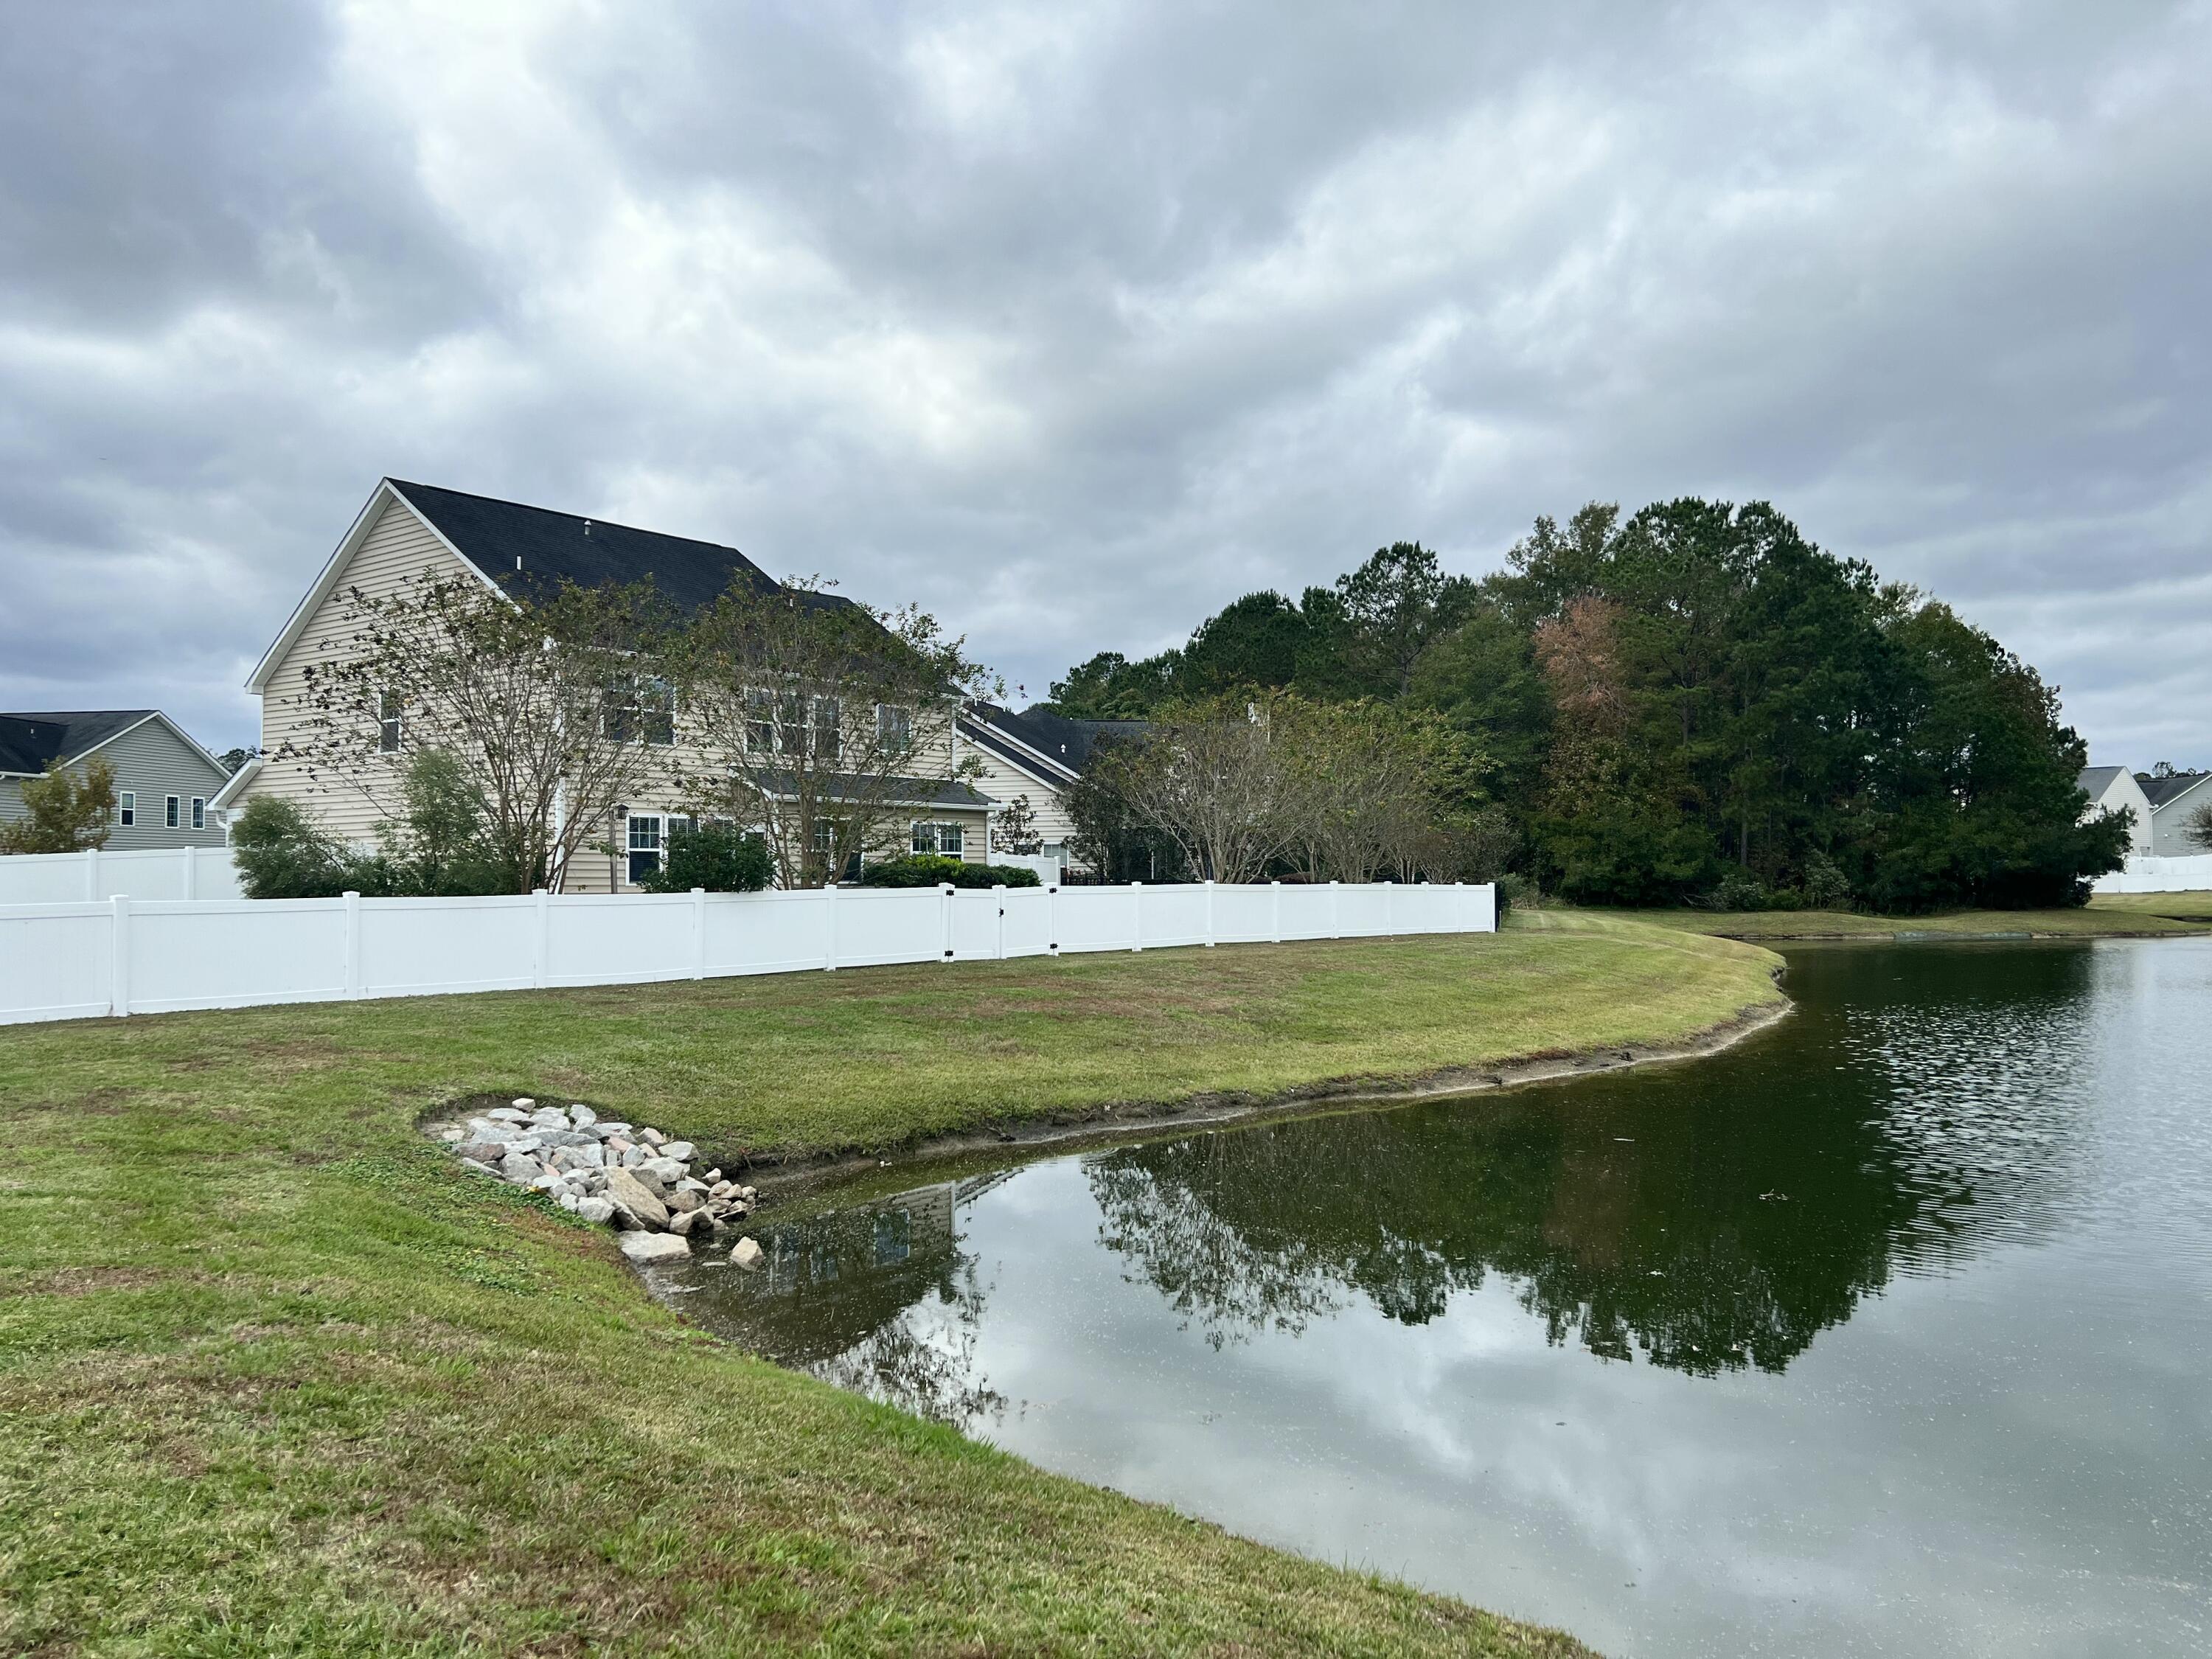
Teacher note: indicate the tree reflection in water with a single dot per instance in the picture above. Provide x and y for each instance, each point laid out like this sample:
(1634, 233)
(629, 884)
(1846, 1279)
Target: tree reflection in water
(1711, 1217)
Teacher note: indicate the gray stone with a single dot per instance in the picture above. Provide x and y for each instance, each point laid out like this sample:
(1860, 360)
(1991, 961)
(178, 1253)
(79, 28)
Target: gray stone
(564, 1138)
(746, 1253)
(507, 1115)
(711, 1175)
(483, 1152)
(596, 1210)
(476, 1166)
(634, 1195)
(550, 1181)
(654, 1246)
(665, 1170)
(683, 1151)
(651, 1137)
(594, 1155)
(521, 1103)
(689, 1221)
(525, 1143)
(518, 1166)
(606, 1129)
(451, 1136)
(683, 1203)
(633, 1157)
(688, 1185)
(582, 1116)
(568, 1201)
(748, 1194)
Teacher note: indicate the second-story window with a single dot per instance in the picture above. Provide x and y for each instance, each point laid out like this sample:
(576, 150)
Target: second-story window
(641, 709)
(894, 727)
(829, 739)
(760, 722)
(389, 722)
(790, 722)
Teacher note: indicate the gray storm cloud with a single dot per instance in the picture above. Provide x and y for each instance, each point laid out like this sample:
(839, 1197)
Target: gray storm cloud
(1074, 322)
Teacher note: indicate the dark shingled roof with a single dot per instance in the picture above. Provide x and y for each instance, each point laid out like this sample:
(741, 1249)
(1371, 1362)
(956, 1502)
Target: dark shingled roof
(2159, 791)
(2097, 779)
(1051, 734)
(590, 552)
(29, 742)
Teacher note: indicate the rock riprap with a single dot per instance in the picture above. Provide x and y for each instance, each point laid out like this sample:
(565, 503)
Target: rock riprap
(634, 1177)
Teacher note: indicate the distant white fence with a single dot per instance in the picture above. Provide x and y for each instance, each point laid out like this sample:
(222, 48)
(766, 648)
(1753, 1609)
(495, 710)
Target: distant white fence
(129, 956)
(162, 872)
(2145, 874)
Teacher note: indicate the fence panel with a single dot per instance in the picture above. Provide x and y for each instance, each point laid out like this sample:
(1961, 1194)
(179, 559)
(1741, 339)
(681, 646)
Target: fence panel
(96, 876)
(2159, 873)
(235, 953)
(419, 946)
(62, 961)
(55, 961)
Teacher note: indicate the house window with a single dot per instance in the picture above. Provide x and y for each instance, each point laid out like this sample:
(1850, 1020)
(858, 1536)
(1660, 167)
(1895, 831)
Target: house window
(169, 812)
(894, 727)
(791, 717)
(129, 809)
(388, 714)
(644, 846)
(642, 710)
(825, 836)
(199, 812)
(760, 723)
(946, 840)
(829, 739)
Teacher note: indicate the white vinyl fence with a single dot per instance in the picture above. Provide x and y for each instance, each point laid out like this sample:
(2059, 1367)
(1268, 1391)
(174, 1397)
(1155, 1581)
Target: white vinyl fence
(131, 956)
(2192, 874)
(162, 872)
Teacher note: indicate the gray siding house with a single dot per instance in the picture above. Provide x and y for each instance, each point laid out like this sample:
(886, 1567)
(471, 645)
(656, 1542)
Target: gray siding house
(2175, 798)
(165, 783)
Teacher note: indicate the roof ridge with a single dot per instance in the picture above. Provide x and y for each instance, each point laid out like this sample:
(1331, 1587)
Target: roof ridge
(562, 512)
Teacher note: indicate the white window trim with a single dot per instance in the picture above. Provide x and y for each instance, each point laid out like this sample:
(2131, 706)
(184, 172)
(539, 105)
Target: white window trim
(199, 811)
(127, 809)
(172, 814)
(631, 849)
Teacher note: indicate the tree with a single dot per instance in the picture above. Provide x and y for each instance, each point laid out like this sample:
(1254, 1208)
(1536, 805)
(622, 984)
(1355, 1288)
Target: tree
(1109, 687)
(551, 706)
(2196, 827)
(63, 812)
(1015, 831)
(1207, 777)
(281, 854)
(232, 759)
(1396, 604)
(818, 722)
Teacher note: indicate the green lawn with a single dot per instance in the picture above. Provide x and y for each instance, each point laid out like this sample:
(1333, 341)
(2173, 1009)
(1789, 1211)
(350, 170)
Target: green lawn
(278, 1379)
(2103, 918)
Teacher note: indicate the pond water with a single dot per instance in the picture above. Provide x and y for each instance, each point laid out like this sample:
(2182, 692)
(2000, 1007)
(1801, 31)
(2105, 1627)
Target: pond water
(1888, 1331)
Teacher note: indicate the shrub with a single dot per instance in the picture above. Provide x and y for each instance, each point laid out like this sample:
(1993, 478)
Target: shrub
(63, 812)
(1515, 892)
(1736, 891)
(927, 870)
(719, 857)
(1825, 886)
(281, 854)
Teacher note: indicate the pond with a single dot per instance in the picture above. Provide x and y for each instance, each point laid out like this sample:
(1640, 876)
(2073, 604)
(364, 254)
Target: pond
(1888, 1331)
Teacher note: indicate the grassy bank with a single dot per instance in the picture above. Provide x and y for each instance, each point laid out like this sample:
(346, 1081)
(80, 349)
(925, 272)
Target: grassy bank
(278, 1379)
(2128, 917)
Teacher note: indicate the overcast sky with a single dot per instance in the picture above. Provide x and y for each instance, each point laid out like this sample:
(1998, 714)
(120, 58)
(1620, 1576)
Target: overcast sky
(1073, 322)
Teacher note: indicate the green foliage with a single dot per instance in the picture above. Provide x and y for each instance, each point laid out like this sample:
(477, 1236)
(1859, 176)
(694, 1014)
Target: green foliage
(280, 853)
(444, 845)
(934, 870)
(63, 812)
(719, 857)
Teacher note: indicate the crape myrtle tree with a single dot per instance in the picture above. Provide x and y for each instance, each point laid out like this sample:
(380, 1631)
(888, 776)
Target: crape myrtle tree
(817, 720)
(1015, 830)
(550, 707)
(63, 812)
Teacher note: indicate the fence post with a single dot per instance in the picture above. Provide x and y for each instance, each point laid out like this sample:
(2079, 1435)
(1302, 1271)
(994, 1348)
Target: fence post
(1459, 909)
(1137, 915)
(91, 875)
(1209, 914)
(946, 892)
(698, 933)
(1336, 909)
(1052, 920)
(1275, 911)
(829, 927)
(118, 968)
(190, 854)
(999, 896)
(352, 945)
(541, 950)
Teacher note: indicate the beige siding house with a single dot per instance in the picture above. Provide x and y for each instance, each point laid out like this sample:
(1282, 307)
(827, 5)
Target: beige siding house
(2114, 788)
(409, 529)
(1036, 754)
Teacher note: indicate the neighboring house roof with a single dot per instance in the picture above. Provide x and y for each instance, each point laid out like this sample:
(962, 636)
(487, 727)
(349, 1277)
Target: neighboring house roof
(2164, 792)
(2098, 779)
(491, 536)
(29, 743)
(1046, 745)
(907, 792)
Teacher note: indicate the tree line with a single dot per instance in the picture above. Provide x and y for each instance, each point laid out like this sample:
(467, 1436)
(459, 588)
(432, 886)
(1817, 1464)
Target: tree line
(1689, 703)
